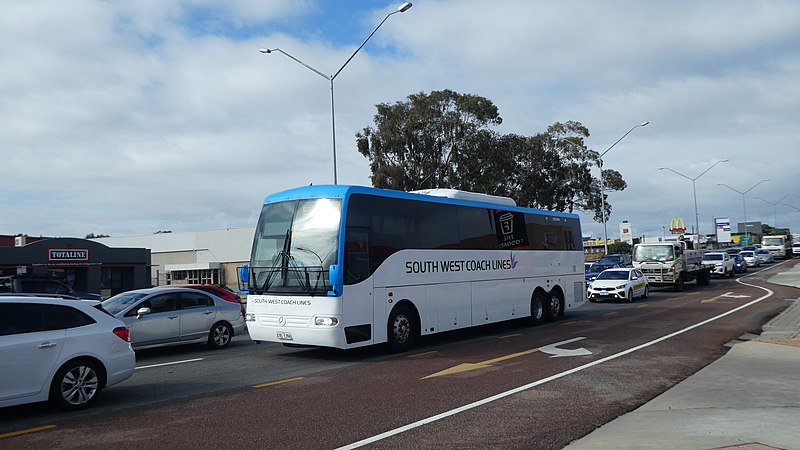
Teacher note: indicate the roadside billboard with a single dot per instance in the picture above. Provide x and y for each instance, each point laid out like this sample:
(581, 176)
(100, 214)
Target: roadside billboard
(723, 227)
(626, 232)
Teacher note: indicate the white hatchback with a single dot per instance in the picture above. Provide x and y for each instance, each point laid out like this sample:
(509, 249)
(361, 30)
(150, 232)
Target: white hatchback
(619, 283)
(65, 351)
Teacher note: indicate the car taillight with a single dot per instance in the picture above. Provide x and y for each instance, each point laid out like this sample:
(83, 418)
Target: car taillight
(123, 333)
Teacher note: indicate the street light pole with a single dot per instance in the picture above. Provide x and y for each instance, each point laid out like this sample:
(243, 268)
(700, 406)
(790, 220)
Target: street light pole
(403, 8)
(774, 207)
(694, 191)
(744, 203)
(603, 186)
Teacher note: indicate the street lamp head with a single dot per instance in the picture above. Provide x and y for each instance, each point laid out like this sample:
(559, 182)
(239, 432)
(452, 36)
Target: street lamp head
(265, 50)
(405, 7)
(644, 123)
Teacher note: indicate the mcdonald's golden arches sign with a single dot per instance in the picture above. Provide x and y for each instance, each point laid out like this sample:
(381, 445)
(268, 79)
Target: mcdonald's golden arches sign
(677, 226)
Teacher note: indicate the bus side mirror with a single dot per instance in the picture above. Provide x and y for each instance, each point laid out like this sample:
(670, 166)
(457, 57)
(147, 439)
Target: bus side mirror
(335, 277)
(244, 279)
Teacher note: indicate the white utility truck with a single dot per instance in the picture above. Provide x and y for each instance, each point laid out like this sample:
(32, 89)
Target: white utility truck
(780, 245)
(671, 264)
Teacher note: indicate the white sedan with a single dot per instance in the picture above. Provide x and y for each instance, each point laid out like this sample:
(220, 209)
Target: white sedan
(750, 258)
(621, 283)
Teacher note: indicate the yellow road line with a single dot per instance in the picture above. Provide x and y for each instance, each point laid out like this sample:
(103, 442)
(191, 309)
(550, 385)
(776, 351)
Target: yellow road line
(510, 335)
(610, 314)
(273, 383)
(29, 430)
(422, 354)
(465, 367)
(643, 306)
(568, 324)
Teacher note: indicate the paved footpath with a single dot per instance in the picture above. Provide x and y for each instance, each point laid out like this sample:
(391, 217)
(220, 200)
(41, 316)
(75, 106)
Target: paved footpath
(748, 399)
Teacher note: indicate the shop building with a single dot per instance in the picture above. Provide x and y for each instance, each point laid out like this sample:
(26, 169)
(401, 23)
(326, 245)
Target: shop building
(194, 257)
(82, 264)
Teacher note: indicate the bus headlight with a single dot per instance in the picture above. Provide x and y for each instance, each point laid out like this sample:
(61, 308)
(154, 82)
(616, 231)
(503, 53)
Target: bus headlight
(250, 317)
(326, 321)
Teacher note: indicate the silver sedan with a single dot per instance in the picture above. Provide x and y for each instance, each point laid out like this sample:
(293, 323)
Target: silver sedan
(159, 317)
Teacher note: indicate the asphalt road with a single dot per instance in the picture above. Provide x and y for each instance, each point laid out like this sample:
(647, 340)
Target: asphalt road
(504, 386)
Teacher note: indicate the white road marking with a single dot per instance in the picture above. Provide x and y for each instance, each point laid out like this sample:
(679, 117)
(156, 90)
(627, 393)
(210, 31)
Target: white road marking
(553, 349)
(517, 390)
(732, 295)
(169, 363)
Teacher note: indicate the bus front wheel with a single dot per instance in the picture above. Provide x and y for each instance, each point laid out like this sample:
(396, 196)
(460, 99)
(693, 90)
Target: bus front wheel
(402, 329)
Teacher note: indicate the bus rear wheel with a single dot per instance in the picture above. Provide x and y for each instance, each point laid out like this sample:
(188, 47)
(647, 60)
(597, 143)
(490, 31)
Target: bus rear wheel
(402, 329)
(553, 309)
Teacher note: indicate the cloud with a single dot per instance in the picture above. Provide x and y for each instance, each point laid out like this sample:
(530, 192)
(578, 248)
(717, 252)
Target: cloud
(126, 118)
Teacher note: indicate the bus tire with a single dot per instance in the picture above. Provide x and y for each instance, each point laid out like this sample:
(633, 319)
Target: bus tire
(402, 329)
(553, 310)
(537, 308)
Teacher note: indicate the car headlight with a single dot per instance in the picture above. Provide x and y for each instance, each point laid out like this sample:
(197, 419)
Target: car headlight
(621, 286)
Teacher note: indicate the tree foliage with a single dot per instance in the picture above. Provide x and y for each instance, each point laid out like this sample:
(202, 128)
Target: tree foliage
(619, 247)
(444, 139)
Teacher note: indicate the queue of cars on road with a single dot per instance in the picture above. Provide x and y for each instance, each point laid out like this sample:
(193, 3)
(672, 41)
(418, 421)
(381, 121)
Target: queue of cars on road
(726, 264)
(67, 350)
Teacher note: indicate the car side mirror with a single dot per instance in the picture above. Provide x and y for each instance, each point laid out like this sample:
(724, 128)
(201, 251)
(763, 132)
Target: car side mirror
(142, 311)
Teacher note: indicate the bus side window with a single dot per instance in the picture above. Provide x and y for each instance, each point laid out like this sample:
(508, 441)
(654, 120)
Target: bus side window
(356, 255)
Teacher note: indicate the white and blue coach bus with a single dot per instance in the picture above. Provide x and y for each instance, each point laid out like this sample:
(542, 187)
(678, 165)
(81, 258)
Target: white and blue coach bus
(349, 266)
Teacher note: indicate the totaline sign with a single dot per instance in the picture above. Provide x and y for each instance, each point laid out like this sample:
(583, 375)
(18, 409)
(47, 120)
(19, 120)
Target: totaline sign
(67, 254)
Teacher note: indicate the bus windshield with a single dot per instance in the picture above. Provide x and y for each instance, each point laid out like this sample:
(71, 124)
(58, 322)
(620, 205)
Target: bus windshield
(294, 246)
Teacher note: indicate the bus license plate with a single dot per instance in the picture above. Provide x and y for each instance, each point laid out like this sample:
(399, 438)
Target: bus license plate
(284, 335)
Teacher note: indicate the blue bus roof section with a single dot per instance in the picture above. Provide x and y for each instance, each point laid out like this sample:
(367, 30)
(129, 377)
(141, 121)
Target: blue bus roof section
(342, 191)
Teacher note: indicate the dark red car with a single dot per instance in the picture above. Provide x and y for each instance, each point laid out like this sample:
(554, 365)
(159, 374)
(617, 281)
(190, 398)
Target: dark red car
(221, 292)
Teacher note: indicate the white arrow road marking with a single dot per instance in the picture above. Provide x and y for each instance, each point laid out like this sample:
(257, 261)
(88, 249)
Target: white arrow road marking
(732, 295)
(553, 349)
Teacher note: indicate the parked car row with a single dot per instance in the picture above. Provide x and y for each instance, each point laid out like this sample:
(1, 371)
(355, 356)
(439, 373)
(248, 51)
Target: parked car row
(68, 350)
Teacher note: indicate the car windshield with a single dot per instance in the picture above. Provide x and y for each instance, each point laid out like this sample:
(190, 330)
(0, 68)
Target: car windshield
(613, 275)
(120, 302)
(611, 259)
(594, 268)
(712, 257)
(762, 252)
(653, 253)
(747, 254)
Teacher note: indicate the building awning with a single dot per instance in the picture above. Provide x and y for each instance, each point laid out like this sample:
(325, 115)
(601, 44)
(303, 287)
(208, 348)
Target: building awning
(192, 266)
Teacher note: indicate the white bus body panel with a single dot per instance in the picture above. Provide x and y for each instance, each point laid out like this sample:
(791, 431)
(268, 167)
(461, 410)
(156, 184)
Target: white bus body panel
(450, 289)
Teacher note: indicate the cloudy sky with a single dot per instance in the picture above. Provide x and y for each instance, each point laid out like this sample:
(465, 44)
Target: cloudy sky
(129, 117)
